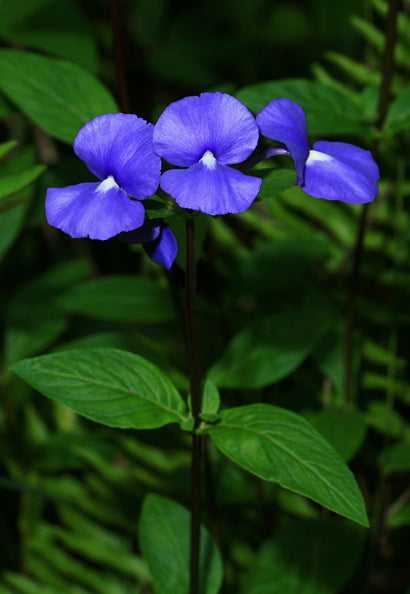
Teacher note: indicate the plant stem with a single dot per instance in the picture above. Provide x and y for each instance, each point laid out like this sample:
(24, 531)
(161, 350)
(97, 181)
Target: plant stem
(117, 26)
(196, 397)
(354, 284)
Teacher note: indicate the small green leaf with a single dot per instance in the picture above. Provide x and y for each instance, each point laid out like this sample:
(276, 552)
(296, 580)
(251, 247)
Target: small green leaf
(6, 147)
(120, 299)
(164, 529)
(58, 96)
(211, 401)
(276, 182)
(398, 117)
(396, 458)
(10, 184)
(282, 447)
(109, 386)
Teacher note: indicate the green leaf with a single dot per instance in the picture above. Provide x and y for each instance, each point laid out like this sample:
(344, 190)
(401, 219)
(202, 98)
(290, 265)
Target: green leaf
(282, 447)
(307, 557)
(276, 182)
(58, 96)
(120, 299)
(384, 419)
(109, 386)
(399, 517)
(63, 32)
(31, 330)
(344, 428)
(164, 530)
(11, 223)
(270, 349)
(398, 117)
(211, 401)
(396, 458)
(10, 184)
(6, 147)
(328, 111)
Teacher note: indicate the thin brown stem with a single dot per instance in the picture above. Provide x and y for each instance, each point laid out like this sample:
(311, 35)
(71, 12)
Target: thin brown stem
(118, 34)
(354, 284)
(196, 397)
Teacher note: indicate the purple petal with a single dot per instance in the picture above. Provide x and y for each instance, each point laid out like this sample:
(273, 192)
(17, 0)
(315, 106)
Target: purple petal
(214, 122)
(120, 145)
(215, 190)
(97, 211)
(164, 250)
(285, 121)
(341, 171)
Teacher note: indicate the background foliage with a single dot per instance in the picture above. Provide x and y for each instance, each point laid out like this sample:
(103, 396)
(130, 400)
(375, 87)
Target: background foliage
(273, 284)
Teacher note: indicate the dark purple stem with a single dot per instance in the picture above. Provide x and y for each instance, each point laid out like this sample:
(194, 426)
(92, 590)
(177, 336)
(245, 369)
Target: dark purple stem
(354, 284)
(196, 397)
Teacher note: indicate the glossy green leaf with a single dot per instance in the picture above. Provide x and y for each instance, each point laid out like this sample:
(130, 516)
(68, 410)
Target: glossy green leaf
(120, 299)
(109, 386)
(282, 447)
(328, 111)
(58, 96)
(164, 535)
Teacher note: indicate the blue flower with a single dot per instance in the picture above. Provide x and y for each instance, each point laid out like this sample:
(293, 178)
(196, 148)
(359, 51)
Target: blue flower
(158, 241)
(331, 170)
(118, 150)
(205, 135)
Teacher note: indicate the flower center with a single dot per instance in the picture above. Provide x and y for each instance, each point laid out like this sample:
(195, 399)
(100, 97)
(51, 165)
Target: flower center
(107, 184)
(315, 156)
(208, 160)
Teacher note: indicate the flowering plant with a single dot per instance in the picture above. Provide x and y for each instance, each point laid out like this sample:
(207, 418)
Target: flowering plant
(197, 305)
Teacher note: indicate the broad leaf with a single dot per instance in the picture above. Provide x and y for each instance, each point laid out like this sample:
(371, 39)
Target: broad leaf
(63, 32)
(280, 446)
(120, 299)
(344, 428)
(109, 386)
(328, 111)
(58, 96)
(306, 557)
(164, 535)
(271, 348)
(31, 330)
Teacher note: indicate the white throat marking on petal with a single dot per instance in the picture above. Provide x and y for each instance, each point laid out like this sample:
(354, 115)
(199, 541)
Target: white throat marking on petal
(107, 184)
(315, 156)
(208, 160)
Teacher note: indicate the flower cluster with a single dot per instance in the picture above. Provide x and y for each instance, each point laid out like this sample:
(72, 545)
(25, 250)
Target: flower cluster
(204, 137)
